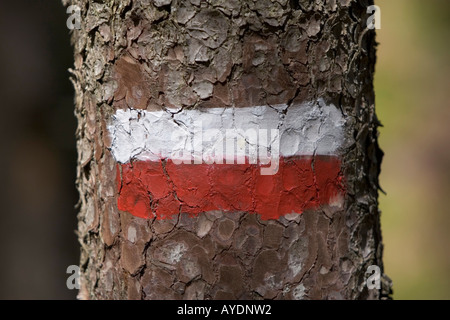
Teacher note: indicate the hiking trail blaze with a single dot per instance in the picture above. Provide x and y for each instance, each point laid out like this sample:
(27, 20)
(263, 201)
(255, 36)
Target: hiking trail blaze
(166, 167)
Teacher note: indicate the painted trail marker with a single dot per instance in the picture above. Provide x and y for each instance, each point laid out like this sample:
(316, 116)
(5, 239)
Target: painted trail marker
(270, 160)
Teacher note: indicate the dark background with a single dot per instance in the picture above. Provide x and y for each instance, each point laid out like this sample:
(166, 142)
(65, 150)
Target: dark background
(38, 156)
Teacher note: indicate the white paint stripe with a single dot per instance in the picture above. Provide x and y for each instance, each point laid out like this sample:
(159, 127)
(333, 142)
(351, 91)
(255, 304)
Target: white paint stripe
(306, 129)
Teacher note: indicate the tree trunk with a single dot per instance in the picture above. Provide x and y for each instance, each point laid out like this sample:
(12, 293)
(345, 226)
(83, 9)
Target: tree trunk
(148, 230)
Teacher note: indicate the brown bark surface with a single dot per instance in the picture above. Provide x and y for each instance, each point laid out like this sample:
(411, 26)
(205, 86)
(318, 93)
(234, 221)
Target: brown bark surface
(148, 54)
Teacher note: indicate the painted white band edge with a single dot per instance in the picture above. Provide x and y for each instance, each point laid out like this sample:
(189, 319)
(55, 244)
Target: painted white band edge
(305, 129)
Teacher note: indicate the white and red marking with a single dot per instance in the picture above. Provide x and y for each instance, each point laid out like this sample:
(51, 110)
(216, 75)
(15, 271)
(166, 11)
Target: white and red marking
(183, 161)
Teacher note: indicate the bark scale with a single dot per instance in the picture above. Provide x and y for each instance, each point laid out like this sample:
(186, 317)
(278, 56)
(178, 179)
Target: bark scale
(148, 55)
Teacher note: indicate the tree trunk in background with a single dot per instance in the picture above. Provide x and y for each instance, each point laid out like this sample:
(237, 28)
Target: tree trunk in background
(157, 54)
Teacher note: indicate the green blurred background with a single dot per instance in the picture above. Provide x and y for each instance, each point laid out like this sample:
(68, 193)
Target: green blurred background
(412, 99)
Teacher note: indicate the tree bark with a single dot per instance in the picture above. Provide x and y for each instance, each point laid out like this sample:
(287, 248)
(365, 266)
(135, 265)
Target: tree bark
(157, 54)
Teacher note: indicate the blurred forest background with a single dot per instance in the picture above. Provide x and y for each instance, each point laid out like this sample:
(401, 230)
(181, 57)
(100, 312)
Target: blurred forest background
(38, 156)
(412, 86)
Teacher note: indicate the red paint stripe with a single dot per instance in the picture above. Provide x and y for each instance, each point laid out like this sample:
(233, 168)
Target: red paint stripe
(149, 189)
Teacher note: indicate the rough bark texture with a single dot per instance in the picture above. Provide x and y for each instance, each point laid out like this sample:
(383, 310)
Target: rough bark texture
(148, 54)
